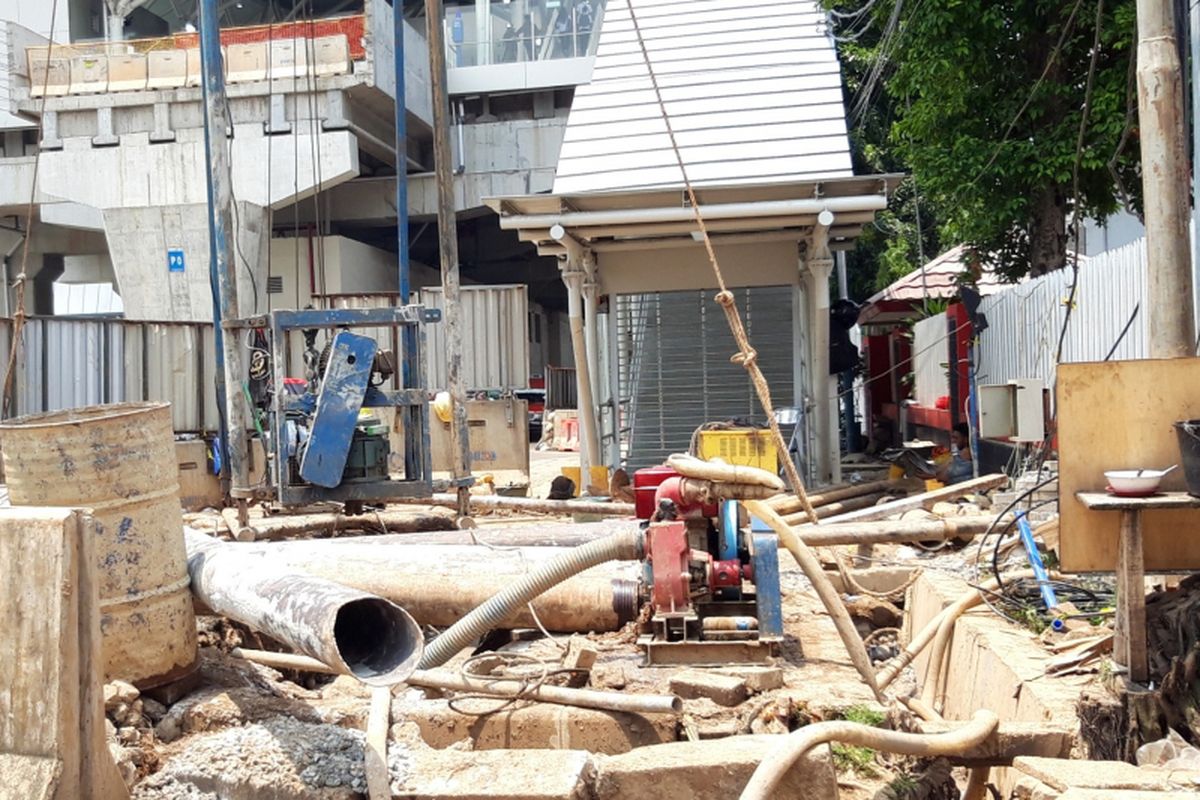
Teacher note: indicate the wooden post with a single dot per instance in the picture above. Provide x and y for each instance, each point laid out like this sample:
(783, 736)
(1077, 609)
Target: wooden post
(1163, 137)
(52, 742)
(1129, 639)
(460, 444)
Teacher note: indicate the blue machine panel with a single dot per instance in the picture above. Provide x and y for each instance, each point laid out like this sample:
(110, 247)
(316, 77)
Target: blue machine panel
(343, 388)
(727, 549)
(766, 585)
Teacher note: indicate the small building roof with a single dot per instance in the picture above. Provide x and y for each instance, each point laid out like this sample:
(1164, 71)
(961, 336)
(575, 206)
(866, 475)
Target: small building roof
(753, 92)
(939, 279)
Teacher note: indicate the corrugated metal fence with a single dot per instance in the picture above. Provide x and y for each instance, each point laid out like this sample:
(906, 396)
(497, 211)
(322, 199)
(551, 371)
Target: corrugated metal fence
(1024, 322)
(68, 363)
(930, 370)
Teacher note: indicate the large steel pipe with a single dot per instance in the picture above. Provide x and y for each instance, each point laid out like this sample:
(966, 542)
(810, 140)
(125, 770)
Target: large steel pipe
(353, 632)
(440, 585)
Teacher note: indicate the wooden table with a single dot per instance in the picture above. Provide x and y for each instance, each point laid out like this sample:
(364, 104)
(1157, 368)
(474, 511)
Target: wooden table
(1129, 632)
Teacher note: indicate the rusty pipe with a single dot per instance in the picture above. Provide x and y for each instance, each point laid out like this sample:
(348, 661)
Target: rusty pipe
(352, 632)
(788, 504)
(440, 585)
(836, 508)
(449, 681)
(493, 502)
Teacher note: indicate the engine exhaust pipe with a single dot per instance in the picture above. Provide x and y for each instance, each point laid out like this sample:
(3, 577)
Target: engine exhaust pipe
(352, 632)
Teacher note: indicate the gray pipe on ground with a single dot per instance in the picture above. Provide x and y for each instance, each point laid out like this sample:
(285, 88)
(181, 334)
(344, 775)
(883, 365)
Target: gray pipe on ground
(353, 632)
(494, 502)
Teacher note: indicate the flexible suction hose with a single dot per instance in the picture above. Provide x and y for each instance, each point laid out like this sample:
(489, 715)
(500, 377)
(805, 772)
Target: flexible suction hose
(775, 766)
(623, 546)
(829, 596)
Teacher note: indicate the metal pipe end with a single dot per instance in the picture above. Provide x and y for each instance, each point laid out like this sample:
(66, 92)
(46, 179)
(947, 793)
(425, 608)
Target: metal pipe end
(625, 600)
(378, 641)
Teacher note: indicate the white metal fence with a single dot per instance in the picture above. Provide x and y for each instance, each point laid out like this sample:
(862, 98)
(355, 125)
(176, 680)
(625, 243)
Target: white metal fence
(930, 369)
(1024, 322)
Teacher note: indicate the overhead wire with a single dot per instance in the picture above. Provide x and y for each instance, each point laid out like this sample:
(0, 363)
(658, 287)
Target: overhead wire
(23, 275)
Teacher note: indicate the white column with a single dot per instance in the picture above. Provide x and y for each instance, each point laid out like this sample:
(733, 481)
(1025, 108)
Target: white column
(827, 457)
(483, 32)
(589, 450)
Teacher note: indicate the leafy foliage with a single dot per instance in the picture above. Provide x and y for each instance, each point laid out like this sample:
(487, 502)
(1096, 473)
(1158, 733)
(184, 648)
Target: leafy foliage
(981, 101)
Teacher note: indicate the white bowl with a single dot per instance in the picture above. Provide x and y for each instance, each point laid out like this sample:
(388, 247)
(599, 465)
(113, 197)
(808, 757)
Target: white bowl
(1128, 481)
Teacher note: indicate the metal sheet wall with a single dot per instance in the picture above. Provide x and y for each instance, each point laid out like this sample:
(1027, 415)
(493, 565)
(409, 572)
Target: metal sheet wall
(70, 363)
(1024, 322)
(674, 366)
(495, 338)
(930, 354)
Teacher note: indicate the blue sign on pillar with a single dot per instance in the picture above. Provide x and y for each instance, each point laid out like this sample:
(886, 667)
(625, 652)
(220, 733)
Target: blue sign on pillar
(175, 262)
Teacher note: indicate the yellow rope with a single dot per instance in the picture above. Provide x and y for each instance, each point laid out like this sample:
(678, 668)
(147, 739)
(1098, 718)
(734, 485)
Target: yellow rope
(746, 355)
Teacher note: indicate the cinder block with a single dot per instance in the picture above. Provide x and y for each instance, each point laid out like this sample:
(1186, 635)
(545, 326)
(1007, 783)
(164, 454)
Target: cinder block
(724, 690)
(289, 58)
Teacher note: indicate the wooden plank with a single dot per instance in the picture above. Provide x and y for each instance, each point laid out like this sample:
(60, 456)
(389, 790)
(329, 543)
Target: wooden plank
(51, 697)
(1120, 415)
(1103, 501)
(379, 723)
(1129, 638)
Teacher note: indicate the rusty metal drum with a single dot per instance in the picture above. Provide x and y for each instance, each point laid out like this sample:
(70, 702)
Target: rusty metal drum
(118, 461)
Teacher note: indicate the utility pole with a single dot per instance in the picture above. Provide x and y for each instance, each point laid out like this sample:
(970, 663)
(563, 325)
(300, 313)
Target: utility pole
(1164, 182)
(222, 266)
(460, 445)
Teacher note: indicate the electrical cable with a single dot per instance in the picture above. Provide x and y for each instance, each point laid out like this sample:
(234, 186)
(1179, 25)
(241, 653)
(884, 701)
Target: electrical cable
(1125, 330)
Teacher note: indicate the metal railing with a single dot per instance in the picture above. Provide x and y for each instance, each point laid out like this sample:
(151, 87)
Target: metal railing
(568, 31)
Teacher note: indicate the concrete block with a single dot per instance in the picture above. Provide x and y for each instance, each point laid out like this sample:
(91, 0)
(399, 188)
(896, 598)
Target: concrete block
(89, 74)
(127, 73)
(540, 726)
(724, 690)
(246, 62)
(331, 55)
(716, 769)
(167, 69)
(194, 66)
(757, 679)
(49, 77)
(1062, 774)
(288, 58)
(495, 775)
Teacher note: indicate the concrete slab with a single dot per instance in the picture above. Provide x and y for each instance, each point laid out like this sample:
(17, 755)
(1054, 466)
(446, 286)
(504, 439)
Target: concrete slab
(1012, 740)
(496, 775)
(724, 690)
(1061, 774)
(718, 768)
(537, 727)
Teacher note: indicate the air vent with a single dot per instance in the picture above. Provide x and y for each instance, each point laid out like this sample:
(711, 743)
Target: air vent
(275, 284)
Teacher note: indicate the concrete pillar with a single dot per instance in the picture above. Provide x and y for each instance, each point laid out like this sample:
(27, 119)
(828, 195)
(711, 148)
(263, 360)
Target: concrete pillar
(827, 457)
(160, 256)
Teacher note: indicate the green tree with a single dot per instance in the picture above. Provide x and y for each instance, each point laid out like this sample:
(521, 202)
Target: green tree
(984, 103)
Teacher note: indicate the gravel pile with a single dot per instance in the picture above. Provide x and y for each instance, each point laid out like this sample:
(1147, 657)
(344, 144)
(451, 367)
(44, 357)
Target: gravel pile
(293, 758)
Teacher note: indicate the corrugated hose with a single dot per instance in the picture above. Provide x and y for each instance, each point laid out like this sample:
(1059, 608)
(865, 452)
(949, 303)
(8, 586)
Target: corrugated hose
(623, 546)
